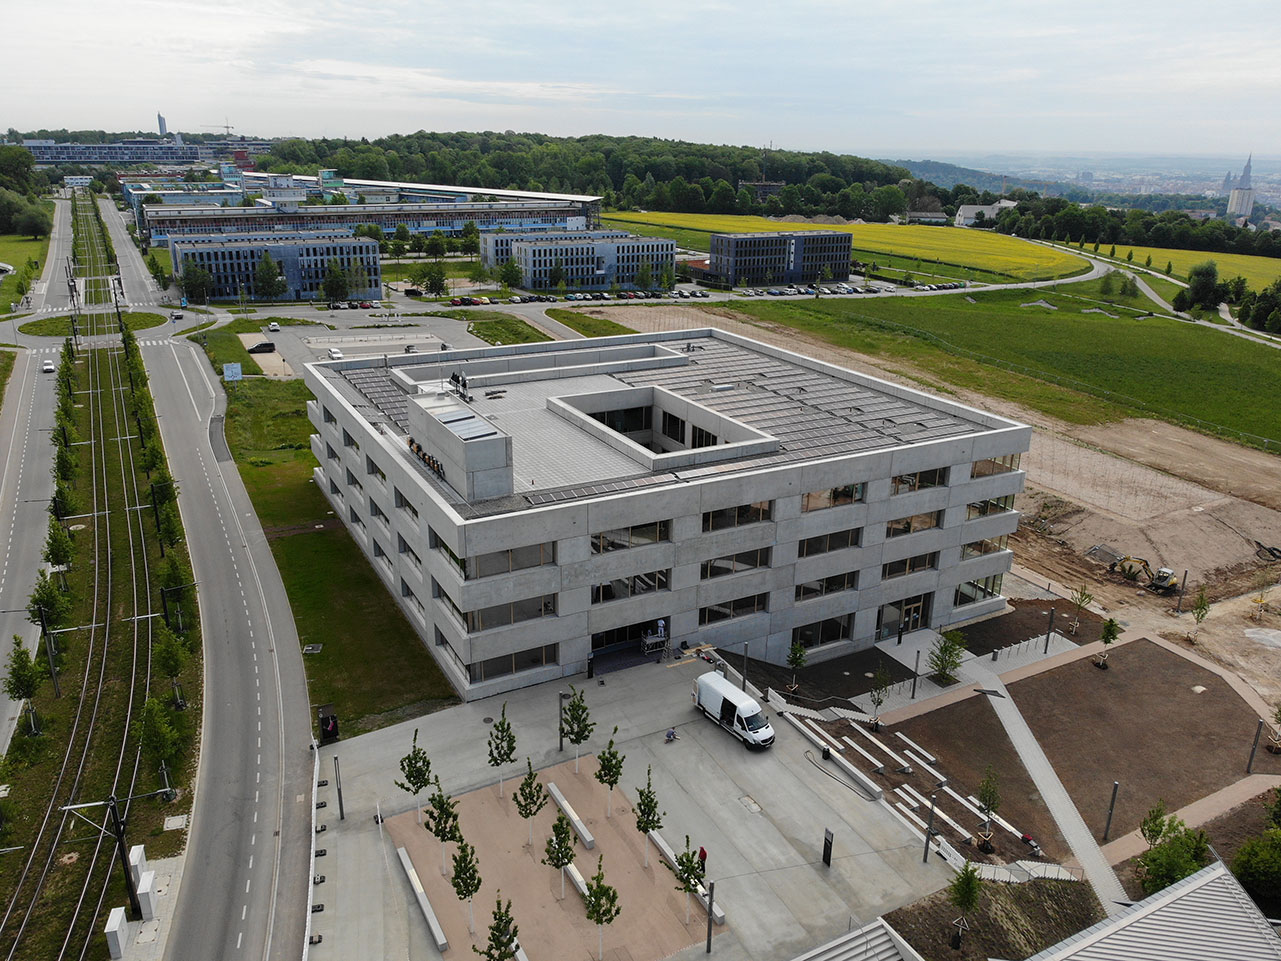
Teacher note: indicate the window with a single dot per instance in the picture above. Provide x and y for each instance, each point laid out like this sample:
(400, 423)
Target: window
(516, 559)
(377, 512)
(354, 517)
(628, 420)
(505, 664)
(831, 584)
(980, 590)
(403, 546)
(914, 524)
(993, 505)
(403, 503)
(738, 607)
(832, 541)
(673, 427)
(727, 517)
(701, 438)
(627, 634)
(380, 553)
(833, 497)
(989, 546)
(635, 536)
(407, 591)
(995, 465)
(501, 615)
(353, 482)
(922, 479)
(631, 586)
(372, 468)
(735, 563)
(824, 632)
(910, 565)
(349, 441)
(330, 452)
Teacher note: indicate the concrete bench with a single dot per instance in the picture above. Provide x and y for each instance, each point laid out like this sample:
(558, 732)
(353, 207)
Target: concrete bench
(877, 764)
(902, 764)
(576, 879)
(939, 778)
(579, 827)
(824, 735)
(919, 750)
(907, 798)
(433, 925)
(667, 854)
(938, 812)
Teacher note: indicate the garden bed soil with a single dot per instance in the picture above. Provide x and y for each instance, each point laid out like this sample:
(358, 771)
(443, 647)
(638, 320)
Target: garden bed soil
(1140, 723)
(1029, 618)
(1011, 921)
(839, 679)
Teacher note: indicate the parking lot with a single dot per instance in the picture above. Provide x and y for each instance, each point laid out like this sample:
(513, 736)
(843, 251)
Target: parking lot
(760, 815)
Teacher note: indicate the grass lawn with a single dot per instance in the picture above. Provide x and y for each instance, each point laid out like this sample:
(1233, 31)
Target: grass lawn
(586, 324)
(1163, 367)
(7, 358)
(15, 251)
(1092, 290)
(162, 257)
(395, 271)
(224, 347)
(1166, 289)
(505, 330)
(979, 249)
(61, 326)
(373, 666)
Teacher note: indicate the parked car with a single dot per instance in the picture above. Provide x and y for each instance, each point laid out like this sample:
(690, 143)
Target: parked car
(411, 349)
(264, 347)
(413, 292)
(353, 305)
(273, 327)
(335, 353)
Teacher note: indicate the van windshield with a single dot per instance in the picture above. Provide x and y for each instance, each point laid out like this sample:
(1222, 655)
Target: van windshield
(756, 721)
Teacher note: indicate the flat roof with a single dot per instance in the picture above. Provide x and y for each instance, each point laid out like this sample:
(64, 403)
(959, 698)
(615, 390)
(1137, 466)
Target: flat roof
(443, 188)
(318, 211)
(789, 233)
(204, 241)
(817, 411)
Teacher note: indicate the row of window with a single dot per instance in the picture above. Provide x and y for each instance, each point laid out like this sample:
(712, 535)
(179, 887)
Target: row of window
(634, 585)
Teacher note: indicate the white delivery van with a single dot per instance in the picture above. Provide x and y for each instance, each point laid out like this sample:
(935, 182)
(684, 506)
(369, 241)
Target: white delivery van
(732, 709)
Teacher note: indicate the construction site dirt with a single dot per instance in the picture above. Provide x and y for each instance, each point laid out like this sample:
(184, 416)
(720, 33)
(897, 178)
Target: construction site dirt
(1145, 488)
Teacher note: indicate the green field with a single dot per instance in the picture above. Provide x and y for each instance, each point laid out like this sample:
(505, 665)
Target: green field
(162, 256)
(1166, 289)
(373, 667)
(587, 325)
(978, 249)
(396, 271)
(61, 326)
(15, 251)
(505, 330)
(1257, 271)
(224, 347)
(6, 368)
(1143, 365)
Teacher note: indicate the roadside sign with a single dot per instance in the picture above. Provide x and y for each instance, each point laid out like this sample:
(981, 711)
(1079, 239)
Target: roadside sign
(231, 372)
(184, 301)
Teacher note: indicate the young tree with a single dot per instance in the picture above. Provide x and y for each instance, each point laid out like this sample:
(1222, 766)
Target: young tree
(689, 871)
(502, 932)
(1169, 267)
(502, 745)
(648, 816)
(196, 284)
(1111, 631)
(989, 798)
(1200, 610)
(601, 903)
(610, 770)
(1179, 852)
(56, 604)
(435, 245)
(577, 722)
(1257, 865)
(155, 733)
(1153, 825)
(881, 681)
(945, 656)
(442, 820)
(22, 680)
(1273, 805)
(170, 525)
(530, 798)
(796, 655)
(556, 275)
(64, 502)
(560, 848)
(510, 274)
(667, 278)
(1081, 599)
(57, 547)
(645, 275)
(170, 655)
(269, 282)
(477, 272)
(466, 879)
(964, 892)
(402, 233)
(1107, 284)
(415, 767)
(470, 246)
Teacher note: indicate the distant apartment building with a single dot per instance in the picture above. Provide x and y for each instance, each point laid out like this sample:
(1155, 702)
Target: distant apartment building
(127, 152)
(496, 248)
(303, 260)
(1240, 203)
(802, 256)
(592, 264)
(968, 214)
(533, 506)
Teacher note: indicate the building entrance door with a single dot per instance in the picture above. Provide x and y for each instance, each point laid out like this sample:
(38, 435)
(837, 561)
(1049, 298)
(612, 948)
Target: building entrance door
(914, 613)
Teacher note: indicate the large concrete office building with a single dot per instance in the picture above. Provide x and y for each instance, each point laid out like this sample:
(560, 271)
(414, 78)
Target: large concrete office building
(592, 263)
(532, 506)
(164, 223)
(496, 248)
(798, 257)
(141, 150)
(303, 260)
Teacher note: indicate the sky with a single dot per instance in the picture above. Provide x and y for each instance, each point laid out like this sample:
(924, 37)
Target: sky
(871, 77)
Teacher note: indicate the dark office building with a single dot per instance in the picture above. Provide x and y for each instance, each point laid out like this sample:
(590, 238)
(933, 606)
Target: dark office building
(782, 258)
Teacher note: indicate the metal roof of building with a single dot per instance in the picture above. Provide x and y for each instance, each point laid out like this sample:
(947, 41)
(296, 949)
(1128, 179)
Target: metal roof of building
(1205, 917)
(816, 411)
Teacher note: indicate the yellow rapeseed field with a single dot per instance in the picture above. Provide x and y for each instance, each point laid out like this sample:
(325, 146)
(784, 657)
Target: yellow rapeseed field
(1257, 271)
(980, 249)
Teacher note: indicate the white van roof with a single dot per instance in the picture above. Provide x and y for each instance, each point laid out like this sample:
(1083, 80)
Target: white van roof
(718, 682)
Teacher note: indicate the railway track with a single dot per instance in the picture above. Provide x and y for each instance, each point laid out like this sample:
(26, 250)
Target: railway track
(60, 892)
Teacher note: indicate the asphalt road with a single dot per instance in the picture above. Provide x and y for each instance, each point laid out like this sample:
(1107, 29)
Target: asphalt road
(26, 452)
(245, 880)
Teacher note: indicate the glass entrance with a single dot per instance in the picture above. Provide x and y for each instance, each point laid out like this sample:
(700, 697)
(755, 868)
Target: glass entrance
(911, 614)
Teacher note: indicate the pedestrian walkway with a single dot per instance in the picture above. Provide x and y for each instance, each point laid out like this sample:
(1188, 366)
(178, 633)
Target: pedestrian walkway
(1070, 823)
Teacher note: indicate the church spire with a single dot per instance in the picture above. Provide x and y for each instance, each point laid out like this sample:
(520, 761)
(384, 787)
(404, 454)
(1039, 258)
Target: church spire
(1244, 182)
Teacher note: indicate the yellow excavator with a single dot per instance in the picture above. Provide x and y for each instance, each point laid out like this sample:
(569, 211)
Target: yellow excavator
(1162, 581)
